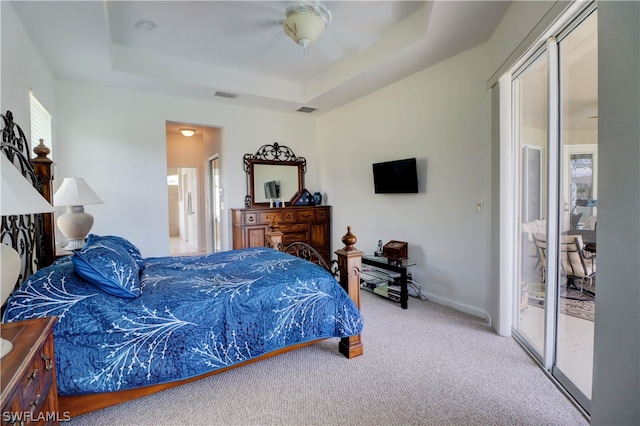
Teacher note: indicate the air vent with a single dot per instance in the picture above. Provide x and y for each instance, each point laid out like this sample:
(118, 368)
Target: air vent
(307, 109)
(226, 94)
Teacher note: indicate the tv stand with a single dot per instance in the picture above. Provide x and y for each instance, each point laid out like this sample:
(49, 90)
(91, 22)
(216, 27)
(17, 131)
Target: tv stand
(386, 271)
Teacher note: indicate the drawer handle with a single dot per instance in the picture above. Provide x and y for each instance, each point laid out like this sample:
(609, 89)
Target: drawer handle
(48, 363)
(306, 216)
(34, 404)
(33, 375)
(250, 219)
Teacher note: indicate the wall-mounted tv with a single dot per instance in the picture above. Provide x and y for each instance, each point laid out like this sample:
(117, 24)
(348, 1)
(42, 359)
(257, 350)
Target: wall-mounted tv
(395, 177)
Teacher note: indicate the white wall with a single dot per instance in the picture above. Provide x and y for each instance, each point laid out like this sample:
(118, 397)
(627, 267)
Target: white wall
(441, 117)
(116, 140)
(616, 372)
(22, 68)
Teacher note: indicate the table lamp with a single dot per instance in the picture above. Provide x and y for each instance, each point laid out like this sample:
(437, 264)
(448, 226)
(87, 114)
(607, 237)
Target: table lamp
(75, 224)
(18, 198)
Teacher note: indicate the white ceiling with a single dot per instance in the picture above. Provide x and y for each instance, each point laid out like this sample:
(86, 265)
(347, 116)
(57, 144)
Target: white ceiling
(200, 47)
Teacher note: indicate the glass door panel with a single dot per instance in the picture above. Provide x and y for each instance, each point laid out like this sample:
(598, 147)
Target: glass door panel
(530, 98)
(578, 208)
(216, 232)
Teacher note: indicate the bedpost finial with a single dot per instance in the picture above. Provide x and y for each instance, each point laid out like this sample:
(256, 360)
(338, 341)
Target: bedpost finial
(274, 225)
(349, 240)
(41, 150)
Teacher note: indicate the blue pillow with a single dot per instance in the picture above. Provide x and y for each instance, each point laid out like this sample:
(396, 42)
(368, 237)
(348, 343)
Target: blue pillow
(126, 244)
(108, 266)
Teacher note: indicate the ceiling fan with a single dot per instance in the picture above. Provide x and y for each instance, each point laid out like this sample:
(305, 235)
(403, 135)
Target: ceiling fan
(305, 22)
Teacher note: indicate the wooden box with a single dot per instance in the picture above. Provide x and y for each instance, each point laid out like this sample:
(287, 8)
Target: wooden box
(395, 250)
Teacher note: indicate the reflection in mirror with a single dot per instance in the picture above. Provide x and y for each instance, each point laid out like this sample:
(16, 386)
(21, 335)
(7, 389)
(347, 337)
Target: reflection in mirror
(285, 176)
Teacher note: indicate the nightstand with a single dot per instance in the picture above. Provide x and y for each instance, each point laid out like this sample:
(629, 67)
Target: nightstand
(29, 390)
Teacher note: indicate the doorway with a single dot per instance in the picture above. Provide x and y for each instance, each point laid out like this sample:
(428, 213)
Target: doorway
(196, 210)
(554, 129)
(182, 188)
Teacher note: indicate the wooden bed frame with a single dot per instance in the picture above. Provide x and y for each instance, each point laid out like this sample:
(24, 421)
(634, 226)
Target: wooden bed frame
(36, 246)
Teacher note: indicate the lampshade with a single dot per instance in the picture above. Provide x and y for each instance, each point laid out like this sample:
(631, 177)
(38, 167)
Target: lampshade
(75, 224)
(305, 22)
(18, 197)
(75, 192)
(187, 132)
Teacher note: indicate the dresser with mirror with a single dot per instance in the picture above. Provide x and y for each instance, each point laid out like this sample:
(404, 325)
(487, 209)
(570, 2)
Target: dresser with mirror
(275, 179)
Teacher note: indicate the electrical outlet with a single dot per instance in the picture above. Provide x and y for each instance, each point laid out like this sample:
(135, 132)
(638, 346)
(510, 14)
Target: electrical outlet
(480, 207)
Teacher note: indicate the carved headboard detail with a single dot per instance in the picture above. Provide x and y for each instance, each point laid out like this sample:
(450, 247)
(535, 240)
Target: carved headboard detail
(32, 236)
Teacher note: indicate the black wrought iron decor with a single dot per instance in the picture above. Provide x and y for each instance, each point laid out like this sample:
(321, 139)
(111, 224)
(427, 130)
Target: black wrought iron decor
(275, 152)
(24, 232)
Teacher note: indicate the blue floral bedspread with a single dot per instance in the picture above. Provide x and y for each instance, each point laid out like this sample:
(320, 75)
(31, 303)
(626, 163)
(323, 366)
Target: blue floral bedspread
(195, 314)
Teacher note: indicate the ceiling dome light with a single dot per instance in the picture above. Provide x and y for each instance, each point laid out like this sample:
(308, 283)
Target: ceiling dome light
(145, 25)
(187, 133)
(305, 22)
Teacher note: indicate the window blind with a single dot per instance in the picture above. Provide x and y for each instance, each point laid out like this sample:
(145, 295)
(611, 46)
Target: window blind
(40, 124)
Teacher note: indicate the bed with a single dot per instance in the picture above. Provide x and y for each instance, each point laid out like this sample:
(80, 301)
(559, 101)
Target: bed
(129, 326)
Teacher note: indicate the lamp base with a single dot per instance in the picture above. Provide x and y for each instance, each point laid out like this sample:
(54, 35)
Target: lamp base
(75, 224)
(5, 347)
(74, 244)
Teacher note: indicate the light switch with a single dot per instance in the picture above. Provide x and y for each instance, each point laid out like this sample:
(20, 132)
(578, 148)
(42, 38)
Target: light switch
(480, 207)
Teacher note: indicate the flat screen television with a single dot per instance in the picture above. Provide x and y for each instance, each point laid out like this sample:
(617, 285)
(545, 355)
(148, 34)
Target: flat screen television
(395, 177)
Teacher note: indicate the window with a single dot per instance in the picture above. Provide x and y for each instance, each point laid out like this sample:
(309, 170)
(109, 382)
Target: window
(40, 123)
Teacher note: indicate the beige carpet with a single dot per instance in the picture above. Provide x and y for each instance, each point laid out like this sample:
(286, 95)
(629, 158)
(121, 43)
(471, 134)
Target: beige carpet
(428, 365)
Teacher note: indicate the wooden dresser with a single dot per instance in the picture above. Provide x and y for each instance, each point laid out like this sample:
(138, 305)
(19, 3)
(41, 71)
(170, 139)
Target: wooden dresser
(308, 224)
(29, 390)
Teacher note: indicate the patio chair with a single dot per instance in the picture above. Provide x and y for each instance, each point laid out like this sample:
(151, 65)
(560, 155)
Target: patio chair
(540, 241)
(577, 264)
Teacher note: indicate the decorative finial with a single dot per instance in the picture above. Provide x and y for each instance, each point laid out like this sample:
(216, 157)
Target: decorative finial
(41, 150)
(274, 226)
(349, 240)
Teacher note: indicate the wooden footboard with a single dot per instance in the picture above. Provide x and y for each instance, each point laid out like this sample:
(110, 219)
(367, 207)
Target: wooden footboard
(349, 266)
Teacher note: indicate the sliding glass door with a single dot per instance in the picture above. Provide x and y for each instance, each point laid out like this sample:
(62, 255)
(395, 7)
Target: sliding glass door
(578, 72)
(555, 133)
(531, 129)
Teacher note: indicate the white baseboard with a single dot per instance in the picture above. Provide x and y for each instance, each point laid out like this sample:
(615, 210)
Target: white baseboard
(471, 310)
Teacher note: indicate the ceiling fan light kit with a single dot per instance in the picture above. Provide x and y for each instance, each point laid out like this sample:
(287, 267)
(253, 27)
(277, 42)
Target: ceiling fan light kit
(305, 22)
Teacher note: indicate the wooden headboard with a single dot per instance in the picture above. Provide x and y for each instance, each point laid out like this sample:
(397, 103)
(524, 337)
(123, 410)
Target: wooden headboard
(32, 236)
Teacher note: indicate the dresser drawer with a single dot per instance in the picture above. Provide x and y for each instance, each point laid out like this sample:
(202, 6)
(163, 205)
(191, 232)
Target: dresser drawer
(294, 227)
(306, 215)
(289, 216)
(38, 381)
(322, 214)
(267, 217)
(30, 384)
(293, 237)
(250, 218)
